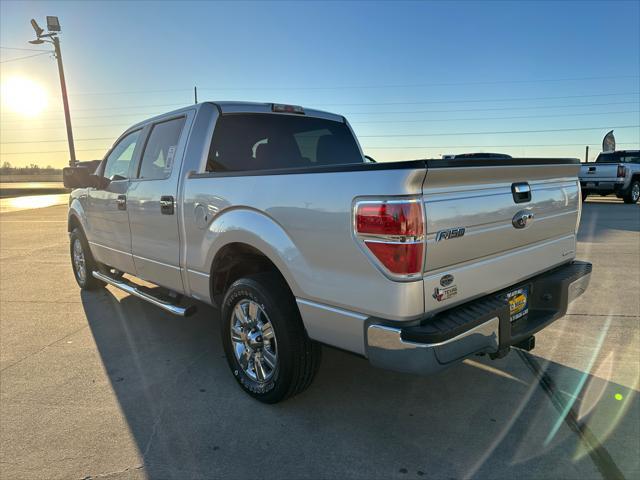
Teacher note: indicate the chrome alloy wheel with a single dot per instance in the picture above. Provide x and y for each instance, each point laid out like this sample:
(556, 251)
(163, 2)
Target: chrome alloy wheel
(78, 260)
(254, 341)
(635, 192)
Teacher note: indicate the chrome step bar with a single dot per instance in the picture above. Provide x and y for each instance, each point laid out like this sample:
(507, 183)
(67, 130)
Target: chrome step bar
(136, 292)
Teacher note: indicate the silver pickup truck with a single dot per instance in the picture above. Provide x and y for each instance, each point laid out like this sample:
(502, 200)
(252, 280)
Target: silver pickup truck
(613, 172)
(272, 214)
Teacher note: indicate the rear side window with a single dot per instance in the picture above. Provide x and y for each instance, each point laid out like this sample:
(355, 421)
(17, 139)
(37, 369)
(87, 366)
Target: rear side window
(160, 151)
(268, 141)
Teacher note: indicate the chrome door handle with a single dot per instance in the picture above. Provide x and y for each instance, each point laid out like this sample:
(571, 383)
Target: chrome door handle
(166, 205)
(122, 202)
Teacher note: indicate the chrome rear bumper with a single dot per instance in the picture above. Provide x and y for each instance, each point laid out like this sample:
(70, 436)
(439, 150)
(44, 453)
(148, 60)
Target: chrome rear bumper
(480, 326)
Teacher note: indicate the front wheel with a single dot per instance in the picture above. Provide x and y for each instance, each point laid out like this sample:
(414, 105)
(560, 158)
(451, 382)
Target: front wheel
(634, 193)
(82, 261)
(264, 340)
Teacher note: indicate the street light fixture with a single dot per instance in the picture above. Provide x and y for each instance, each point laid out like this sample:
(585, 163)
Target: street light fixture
(53, 26)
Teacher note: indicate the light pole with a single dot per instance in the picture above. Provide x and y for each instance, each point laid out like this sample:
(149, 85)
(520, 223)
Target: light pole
(53, 25)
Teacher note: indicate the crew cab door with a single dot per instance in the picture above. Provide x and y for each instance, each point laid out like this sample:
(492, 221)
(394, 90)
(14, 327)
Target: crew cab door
(152, 203)
(107, 215)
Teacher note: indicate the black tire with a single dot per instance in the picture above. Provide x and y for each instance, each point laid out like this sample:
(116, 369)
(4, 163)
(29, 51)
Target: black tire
(86, 281)
(584, 196)
(633, 195)
(298, 357)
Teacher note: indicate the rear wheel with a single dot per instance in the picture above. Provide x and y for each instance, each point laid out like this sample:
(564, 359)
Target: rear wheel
(82, 261)
(266, 345)
(634, 192)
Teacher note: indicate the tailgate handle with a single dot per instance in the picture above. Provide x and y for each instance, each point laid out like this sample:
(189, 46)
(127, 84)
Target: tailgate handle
(521, 192)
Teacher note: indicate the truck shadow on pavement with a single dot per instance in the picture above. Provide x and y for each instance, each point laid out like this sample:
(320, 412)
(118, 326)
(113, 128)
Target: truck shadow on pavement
(189, 419)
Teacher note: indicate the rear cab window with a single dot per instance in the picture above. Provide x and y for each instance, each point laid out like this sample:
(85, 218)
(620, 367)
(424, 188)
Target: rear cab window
(619, 157)
(262, 141)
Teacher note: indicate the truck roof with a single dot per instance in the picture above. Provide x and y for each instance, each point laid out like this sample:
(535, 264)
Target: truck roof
(225, 107)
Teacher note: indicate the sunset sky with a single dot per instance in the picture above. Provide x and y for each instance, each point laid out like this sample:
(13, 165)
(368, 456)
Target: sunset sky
(416, 80)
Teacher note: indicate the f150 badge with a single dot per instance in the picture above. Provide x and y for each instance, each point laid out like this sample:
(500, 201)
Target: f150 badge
(449, 233)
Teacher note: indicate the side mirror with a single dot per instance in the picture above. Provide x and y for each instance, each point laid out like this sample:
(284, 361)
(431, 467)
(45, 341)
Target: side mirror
(82, 177)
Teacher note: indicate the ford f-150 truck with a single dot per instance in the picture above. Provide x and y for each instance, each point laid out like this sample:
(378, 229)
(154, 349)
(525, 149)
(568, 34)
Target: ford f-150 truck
(272, 214)
(613, 172)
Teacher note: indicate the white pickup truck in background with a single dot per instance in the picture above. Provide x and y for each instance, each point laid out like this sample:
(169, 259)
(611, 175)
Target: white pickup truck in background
(613, 172)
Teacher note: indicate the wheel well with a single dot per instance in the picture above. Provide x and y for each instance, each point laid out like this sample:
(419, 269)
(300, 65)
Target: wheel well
(234, 261)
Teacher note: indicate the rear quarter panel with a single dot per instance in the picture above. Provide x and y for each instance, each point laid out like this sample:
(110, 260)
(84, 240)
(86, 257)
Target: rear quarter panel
(303, 224)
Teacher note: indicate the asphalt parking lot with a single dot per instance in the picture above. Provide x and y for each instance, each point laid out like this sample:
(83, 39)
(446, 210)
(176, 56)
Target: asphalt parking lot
(101, 385)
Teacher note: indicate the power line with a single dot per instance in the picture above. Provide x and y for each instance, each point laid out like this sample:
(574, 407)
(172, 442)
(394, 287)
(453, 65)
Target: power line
(56, 112)
(538, 107)
(383, 136)
(382, 103)
(494, 118)
(374, 148)
(480, 100)
(63, 127)
(485, 119)
(497, 146)
(131, 92)
(53, 151)
(24, 49)
(24, 58)
(122, 125)
(505, 132)
(495, 82)
(142, 114)
(59, 141)
(341, 87)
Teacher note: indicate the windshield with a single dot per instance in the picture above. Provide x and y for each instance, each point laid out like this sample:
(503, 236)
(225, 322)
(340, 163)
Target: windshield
(270, 141)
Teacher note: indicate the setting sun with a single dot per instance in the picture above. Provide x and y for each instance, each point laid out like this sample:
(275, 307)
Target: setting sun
(23, 96)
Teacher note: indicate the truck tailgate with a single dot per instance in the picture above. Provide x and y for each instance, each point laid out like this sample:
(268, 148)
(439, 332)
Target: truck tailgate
(599, 172)
(491, 253)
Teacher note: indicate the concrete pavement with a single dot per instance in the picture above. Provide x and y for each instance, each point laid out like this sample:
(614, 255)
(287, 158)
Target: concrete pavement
(101, 385)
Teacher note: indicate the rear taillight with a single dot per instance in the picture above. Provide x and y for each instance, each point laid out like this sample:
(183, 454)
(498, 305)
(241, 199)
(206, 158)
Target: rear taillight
(622, 171)
(393, 232)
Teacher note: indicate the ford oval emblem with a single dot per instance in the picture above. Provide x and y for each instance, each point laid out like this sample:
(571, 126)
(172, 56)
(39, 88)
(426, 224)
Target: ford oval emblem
(522, 218)
(446, 280)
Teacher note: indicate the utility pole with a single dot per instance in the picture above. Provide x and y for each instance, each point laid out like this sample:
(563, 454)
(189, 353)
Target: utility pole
(53, 25)
(586, 154)
(65, 102)
(195, 94)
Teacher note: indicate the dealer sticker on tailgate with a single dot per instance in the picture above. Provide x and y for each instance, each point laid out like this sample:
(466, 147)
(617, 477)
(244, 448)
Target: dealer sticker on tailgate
(518, 303)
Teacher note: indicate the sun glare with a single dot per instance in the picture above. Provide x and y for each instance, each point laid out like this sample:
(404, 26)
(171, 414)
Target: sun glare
(23, 96)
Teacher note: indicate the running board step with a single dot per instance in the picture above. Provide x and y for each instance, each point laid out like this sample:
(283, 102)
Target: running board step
(134, 290)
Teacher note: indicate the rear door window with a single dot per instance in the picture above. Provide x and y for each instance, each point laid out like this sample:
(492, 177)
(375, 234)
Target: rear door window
(243, 142)
(160, 150)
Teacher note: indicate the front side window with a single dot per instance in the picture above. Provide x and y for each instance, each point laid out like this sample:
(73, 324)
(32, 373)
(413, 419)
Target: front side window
(244, 142)
(118, 161)
(160, 151)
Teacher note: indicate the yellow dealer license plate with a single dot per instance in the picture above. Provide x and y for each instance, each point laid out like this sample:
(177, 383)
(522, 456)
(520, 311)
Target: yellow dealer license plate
(518, 303)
